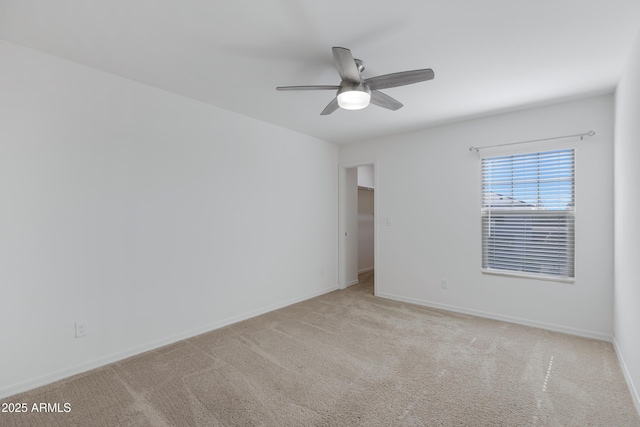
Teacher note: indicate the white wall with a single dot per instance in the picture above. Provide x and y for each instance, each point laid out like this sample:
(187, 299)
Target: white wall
(365, 229)
(148, 215)
(429, 183)
(627, 223)
(365, 176)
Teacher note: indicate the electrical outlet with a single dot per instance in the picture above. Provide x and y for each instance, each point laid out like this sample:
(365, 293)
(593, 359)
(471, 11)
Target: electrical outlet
(81, 329)
(444, 284)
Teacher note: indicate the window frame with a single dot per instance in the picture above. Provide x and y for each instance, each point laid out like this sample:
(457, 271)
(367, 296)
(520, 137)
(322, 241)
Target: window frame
(569, 213)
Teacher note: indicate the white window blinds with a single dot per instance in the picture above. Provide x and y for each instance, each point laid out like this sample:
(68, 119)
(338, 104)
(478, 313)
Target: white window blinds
(528, 213)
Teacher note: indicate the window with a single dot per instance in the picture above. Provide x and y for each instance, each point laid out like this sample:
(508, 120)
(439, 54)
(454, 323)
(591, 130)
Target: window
(528, 214)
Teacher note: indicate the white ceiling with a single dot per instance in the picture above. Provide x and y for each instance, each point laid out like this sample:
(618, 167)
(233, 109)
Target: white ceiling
(488, 56)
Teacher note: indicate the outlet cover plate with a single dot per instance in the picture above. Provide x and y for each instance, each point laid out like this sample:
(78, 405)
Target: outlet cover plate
(81, 329)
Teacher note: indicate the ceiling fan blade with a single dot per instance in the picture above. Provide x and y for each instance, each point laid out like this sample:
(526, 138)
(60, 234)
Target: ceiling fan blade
(400, 79)
(385, 101)
(333, 106)
(317, 87)
(346, 65)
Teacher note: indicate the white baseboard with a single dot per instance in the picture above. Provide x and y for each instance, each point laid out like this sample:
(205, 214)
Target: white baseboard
(365, 270)
(351, 283)
(635, 396)
(494, 316)
(115, 357)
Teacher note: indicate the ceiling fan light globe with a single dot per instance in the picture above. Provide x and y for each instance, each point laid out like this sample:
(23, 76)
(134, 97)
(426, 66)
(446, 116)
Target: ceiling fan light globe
(353, 99)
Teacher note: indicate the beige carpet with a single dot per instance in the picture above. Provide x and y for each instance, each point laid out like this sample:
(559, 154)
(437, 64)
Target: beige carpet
(350, 359)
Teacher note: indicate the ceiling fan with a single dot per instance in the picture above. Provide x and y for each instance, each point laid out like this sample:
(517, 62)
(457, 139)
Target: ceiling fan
(355, 92)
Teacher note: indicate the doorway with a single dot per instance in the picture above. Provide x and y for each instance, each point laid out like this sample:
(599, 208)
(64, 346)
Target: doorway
(357, 247)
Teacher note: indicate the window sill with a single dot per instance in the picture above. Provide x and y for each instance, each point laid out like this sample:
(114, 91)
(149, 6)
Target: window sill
(546, 278)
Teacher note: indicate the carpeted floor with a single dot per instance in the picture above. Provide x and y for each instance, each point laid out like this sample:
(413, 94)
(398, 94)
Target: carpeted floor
(350, 359)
